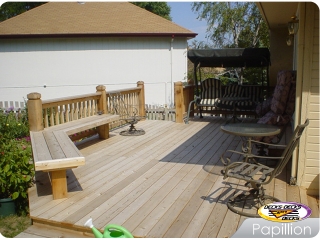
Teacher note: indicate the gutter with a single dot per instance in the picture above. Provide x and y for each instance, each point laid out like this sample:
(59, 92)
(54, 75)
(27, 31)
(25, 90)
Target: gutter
(96, 35)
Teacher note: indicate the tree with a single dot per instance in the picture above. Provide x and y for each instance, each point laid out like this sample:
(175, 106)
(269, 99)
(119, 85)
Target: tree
(233, 24)
(11, 9)
(160, 8)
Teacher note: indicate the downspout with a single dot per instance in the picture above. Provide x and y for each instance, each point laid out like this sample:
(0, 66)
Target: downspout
(171, 62)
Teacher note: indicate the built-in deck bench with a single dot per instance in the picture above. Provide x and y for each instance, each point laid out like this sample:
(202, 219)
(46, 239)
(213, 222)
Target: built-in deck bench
(52, 125)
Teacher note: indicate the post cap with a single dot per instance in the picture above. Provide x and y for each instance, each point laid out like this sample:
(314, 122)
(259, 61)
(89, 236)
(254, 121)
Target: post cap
(101, 88)
(34, 96)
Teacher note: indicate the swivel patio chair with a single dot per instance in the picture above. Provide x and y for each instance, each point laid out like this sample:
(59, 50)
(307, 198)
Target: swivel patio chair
(256, 176)
(128, 114)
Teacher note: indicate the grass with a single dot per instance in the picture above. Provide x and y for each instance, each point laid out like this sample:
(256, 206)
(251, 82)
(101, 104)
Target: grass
(12, 225)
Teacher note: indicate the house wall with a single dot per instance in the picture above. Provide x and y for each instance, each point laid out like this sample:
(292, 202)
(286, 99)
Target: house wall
(76, 66)
(308, 80)
(281, 53)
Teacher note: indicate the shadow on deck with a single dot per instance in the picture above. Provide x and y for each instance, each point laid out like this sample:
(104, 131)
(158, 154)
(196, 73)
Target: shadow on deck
(166, 183)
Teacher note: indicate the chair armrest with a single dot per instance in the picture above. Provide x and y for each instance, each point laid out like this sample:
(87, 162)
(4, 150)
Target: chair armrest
(269, 144)
(197, 99)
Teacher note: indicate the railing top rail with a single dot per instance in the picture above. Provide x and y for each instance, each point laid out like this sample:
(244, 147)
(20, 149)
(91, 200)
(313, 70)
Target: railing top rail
(125, 90)
(188, 86)
(84, 97)
(72, 99)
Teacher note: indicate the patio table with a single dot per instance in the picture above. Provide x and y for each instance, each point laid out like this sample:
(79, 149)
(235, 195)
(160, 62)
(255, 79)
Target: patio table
(247, 131)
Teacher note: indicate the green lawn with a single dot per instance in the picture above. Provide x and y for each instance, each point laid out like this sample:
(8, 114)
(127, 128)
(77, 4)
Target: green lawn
(12, 225)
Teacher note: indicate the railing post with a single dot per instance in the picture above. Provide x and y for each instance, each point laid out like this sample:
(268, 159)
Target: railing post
(190, 97)
(103, 130)
(178, 101)
(35, 112)
(142, 111)
(102, 105)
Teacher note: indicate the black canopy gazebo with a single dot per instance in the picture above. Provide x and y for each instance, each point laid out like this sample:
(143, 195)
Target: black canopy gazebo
(230, 57)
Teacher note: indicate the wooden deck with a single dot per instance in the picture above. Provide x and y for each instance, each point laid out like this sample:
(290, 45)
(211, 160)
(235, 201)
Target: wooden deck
(166, 183)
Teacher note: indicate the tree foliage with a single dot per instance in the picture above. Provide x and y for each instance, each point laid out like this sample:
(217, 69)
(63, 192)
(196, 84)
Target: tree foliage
(11, 9)
(160, 8)
(233, 24)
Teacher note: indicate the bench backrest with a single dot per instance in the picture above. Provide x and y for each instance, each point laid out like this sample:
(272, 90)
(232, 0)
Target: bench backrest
(211, 88)
(254, 92)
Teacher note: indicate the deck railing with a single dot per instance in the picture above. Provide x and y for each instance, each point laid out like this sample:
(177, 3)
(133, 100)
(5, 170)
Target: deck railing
(43, 114)
(126, 103)
(182, 96)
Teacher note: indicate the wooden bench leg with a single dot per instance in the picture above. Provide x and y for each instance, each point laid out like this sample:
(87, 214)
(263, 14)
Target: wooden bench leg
(104, 131)
(59, 184)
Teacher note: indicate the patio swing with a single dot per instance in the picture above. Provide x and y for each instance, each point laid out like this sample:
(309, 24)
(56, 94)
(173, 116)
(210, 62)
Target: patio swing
(209, 91)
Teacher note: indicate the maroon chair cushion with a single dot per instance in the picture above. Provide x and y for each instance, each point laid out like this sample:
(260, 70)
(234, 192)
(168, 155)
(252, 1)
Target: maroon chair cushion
(274, 119)
(264, 107)
(291, 100)
(281, 91)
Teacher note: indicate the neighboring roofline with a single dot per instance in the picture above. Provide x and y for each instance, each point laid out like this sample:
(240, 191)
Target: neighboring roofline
(96, 35)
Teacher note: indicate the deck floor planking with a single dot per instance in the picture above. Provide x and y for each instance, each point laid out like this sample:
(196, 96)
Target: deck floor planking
(166, 183)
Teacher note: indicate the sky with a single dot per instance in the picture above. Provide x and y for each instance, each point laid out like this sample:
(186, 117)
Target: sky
(182, 15)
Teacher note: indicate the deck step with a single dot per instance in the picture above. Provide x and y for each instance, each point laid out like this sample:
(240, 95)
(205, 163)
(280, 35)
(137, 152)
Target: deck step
(38, 230)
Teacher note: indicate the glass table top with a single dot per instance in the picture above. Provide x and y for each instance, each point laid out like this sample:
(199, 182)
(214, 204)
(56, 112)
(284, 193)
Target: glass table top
(250, 129)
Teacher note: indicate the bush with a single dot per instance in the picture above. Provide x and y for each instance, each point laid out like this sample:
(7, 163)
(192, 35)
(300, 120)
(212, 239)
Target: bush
(17, 172)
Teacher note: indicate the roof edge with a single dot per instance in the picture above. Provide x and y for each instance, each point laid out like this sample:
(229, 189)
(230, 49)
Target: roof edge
(96, 35)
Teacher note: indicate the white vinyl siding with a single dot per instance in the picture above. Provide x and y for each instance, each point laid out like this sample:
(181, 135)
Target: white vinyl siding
(309, 152)
(76, 66)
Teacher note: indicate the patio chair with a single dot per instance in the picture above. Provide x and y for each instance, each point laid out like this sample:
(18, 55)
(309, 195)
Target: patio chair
(256, 175)
(278, 109)
(128, 114)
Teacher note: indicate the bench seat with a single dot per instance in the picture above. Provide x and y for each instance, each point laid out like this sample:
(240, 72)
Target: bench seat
(54, 151)
(84, 123)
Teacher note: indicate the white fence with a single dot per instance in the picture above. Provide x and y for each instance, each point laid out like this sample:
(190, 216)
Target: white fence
(154, 112)
(12, 105)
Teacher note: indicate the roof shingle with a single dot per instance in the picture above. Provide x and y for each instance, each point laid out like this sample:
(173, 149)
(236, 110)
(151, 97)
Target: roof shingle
(90, 18)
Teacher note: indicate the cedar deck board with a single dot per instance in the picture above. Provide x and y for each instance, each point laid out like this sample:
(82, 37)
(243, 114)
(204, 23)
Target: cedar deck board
(188, 214)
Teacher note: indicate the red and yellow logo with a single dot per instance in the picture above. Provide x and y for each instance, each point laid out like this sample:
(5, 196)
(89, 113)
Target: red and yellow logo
(284, 212)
